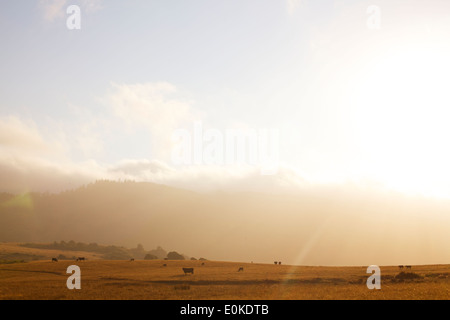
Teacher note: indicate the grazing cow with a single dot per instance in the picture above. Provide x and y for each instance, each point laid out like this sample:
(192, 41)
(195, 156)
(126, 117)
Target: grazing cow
(279, 262)
(241, 269)
(400, 267)
(54, 259)
(203, 263)
(132, 259)
(275, 262)
(188, 270)
(408, 267)
(81, 259)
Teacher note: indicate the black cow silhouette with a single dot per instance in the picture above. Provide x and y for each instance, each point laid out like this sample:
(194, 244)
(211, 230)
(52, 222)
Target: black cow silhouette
(241, 269)
(188, 270)
(54, 259)
(81, 259)
(400, 267)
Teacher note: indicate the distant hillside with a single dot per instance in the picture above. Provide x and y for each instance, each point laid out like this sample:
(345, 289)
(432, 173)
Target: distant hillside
(15, 252)
(104, 212)
(107, 252)
(23, 252)
(316, 227)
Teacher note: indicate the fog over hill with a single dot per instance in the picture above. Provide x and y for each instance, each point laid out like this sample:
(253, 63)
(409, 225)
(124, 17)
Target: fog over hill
(315, 227)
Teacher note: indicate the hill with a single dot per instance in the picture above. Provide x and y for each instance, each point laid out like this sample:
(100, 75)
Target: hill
(314, 227)
(23, 252)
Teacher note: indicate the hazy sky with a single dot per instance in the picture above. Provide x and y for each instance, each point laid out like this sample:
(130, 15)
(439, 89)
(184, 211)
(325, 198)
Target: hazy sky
(357, 90)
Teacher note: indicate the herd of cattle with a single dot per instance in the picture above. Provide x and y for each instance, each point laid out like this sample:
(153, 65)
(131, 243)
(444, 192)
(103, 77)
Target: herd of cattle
(191, 270)
(185, 270)
(401, 267)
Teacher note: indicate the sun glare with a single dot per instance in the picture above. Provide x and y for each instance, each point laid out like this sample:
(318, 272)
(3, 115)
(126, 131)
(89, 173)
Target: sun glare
(402, 111)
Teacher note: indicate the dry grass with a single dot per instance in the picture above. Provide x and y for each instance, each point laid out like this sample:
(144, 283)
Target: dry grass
(216, 280)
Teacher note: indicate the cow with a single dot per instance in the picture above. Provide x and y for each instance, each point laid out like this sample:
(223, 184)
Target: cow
(279, 262)
(81, 259)
(241, 269)
(203, 263)
(188, 270)
(400, 267)
(408, 267)
(275, 262)
(132, 259)
(54, 260)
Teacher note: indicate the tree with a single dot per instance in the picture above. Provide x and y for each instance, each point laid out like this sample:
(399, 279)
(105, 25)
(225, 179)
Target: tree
(174, 256)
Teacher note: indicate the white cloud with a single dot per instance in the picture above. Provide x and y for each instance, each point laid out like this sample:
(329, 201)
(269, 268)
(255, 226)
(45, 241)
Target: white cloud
(21, 174)
(141, 169)
(23, 137)
(153, 106)
(19, 134)
(33, 161)
(41, 157)
(208, 178)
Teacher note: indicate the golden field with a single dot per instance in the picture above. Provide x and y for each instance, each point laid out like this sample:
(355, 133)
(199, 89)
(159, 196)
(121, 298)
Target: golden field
(103, 279)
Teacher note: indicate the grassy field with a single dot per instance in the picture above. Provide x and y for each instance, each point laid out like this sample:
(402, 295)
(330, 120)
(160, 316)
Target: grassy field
(102, 279)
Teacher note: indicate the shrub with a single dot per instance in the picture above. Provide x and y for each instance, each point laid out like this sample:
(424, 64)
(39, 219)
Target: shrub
(407, 276)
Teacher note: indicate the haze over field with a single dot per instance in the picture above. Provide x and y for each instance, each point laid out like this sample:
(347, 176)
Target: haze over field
(313, 132)
(315, 227)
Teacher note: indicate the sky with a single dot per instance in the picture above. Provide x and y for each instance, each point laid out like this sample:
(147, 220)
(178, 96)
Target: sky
(332, 92)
